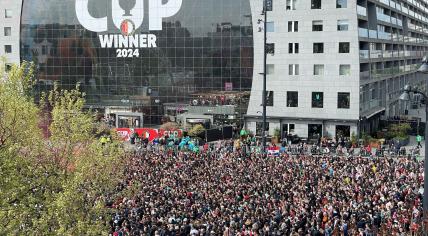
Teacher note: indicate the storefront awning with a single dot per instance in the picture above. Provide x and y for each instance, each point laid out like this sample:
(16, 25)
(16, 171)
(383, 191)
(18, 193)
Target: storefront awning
(376, 112)
(196, 121)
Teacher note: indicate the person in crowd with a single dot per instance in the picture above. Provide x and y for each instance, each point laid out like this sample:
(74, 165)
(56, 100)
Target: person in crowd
(225, 192)
(419, 140)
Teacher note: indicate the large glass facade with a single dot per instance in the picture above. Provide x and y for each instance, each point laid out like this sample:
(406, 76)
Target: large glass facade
(203, 55)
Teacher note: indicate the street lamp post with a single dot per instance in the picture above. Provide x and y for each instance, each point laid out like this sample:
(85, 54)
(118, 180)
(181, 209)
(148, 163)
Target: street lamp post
(267, 6)
(406, 97)
(265, 10)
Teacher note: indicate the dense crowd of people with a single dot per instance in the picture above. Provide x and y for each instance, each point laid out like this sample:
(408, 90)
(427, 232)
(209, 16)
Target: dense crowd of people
(223, 191)
(216, 100)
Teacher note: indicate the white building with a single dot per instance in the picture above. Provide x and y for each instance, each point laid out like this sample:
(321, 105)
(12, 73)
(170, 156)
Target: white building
(337, 65)
(10, 14)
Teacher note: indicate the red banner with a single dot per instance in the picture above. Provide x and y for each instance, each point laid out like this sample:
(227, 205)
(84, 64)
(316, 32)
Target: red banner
(176, 133)
(151, 134)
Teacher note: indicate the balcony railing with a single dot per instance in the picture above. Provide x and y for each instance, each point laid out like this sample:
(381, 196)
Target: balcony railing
(398, 37)
(379, 73)
(383, 17)
(364, 75)
(363, 32)
(373, 34)
(361, 10)
(388, 54)
(384, 35)
(386, 2)
(413, 53)
(366, 106)
(376, 54)
(364, 54)
(398, 6)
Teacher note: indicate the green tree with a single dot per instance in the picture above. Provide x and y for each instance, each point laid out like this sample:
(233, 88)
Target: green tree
(18, 113)
(277, 133)
(354, 138)
(56, 185)
(399, 131)
(170, 126)
(196, 130)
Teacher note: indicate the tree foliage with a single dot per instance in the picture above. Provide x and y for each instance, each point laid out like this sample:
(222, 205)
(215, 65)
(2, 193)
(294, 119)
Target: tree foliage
(354, 138)
(400, 131)
(196, 130)
(56, 185)
(16, 107)
(170, 126)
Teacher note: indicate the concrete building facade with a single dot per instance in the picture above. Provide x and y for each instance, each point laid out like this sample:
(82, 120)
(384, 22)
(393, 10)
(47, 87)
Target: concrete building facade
(10, 15)
(337, 66)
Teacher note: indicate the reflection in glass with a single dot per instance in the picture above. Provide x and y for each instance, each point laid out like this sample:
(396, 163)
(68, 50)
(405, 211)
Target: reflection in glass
(207, 47)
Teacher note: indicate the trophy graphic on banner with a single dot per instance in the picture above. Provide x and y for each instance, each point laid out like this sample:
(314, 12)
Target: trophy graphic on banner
(127, 6)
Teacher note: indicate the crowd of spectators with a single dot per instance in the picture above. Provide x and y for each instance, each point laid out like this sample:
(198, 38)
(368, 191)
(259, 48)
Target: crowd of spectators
(224, 191)
(216, 100)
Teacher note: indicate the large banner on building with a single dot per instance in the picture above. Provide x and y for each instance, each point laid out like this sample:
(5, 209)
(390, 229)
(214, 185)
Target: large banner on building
(141, 53)
(150, 134)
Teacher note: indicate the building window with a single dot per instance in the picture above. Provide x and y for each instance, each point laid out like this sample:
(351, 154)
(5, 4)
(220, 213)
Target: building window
(318, 69)
(7, 13)
(259, 128)
(343, 131)
(341, 3)
(344, 47)
(44, 50)
(7, 31)
(343, 100)
(342, 25)
(373, 93)
(315, 4)
(270, 26)
(292, 99)
(344, 69)
(293, 26)
(314, 131)
(293, 48)
(269, 98)
(318, 47)
(381, 28)
(291, 5)
(317, 99)
(7, 49)
(270, 48)
(26, 50)
(270, 69)
(293, 69)
(287, 129)
(317, 25)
